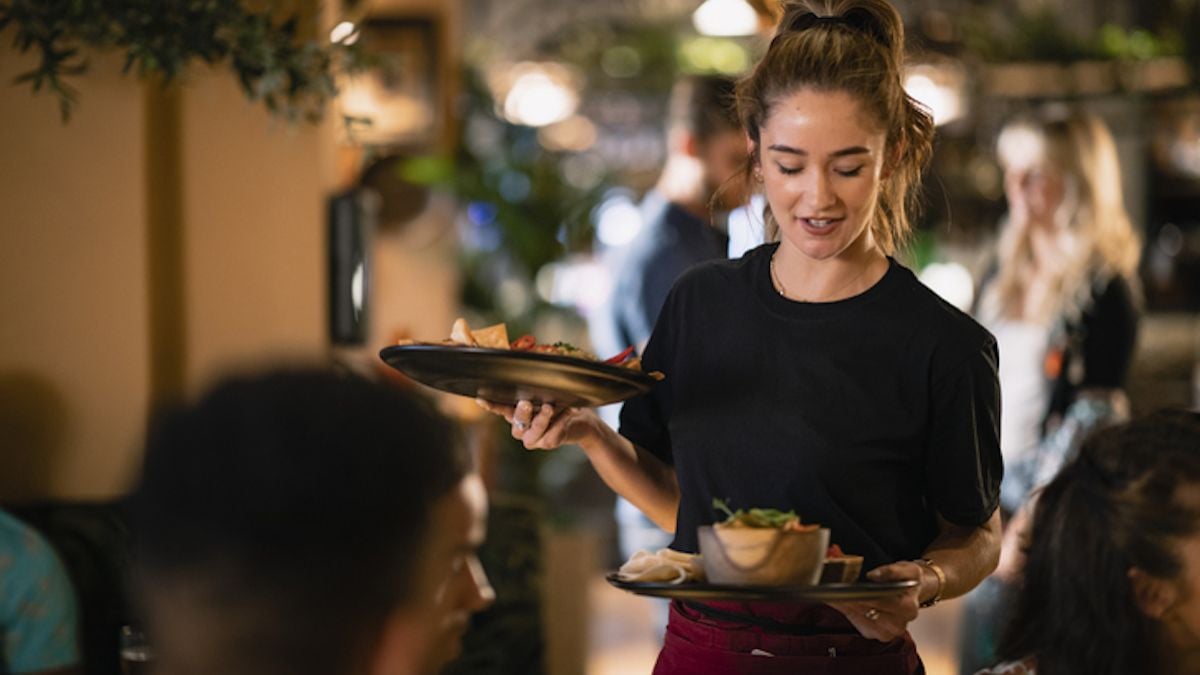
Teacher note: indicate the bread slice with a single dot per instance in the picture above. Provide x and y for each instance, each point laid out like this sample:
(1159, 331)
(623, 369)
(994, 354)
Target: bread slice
(493, 337)
(460, 333)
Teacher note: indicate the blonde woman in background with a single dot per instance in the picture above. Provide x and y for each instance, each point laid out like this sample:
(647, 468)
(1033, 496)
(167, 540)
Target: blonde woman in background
(1060, 298)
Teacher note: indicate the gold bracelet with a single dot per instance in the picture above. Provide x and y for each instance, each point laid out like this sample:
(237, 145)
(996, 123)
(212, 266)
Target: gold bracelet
(941, 577)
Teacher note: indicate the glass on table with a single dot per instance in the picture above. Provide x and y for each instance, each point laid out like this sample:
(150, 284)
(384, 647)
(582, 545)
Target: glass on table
(137, 656)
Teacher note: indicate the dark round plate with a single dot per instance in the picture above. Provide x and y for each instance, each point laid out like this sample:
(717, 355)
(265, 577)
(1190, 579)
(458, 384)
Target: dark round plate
(504, 376)
(819, 593)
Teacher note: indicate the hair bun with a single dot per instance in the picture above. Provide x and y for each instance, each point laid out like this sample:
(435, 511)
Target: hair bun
(858, 19)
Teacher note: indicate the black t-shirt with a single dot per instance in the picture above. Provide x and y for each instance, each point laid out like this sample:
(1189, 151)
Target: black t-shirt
(866, 415)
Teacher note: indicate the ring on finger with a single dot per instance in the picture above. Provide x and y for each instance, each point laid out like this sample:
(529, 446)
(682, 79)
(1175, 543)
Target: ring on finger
(520, 426)
(872, 614)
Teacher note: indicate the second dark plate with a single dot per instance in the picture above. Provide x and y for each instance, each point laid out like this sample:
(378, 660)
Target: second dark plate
(818, 593)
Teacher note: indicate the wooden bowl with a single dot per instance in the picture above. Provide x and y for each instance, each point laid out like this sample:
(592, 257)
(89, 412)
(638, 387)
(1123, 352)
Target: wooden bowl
(843, 570)
(762, 556)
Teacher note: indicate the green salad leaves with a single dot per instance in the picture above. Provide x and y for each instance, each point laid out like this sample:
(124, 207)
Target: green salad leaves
(784, 520)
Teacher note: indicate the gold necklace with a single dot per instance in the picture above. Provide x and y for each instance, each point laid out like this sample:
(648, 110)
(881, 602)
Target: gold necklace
(782, 290)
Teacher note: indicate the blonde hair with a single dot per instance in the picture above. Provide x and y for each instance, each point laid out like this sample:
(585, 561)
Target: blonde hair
(1104, 243)
(855, 46)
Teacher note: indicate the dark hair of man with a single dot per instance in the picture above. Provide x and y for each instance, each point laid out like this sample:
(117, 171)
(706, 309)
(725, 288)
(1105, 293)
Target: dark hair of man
(702, 105)
(1114, 508)
(289, 509)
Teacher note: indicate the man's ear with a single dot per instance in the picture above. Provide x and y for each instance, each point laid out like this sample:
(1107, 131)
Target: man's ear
(400, 646)
(1154, 596)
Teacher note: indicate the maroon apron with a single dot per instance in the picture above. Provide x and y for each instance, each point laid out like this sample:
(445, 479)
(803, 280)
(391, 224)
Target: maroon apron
(720, 638)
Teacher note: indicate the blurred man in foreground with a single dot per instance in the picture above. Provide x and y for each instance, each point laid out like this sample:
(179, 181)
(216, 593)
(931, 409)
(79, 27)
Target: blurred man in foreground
(307, 522)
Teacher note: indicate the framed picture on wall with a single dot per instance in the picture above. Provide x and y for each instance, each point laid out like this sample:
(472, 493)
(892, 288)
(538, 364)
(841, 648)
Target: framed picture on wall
(402, 102)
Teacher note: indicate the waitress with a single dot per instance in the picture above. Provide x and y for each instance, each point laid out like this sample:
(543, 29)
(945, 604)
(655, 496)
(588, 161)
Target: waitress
(815, 373)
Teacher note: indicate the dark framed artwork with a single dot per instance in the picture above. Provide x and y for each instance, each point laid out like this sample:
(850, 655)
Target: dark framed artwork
(402, 102)
(351, 222)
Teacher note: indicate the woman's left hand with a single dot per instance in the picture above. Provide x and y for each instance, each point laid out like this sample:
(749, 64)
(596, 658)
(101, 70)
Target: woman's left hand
(885, 619)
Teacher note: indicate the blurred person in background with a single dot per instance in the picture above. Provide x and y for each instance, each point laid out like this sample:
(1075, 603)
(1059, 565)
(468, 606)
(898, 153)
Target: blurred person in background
(306, 522)
(39, 613)
(705, 151)
(1061, 299)
(1111, 581)
(815, 373)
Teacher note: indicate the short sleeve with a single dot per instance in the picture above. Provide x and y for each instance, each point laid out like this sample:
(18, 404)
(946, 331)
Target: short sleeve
(41, 616)
(644, 419)
(963, 465)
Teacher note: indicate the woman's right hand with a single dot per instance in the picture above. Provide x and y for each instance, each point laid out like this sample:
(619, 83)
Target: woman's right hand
(547, 427)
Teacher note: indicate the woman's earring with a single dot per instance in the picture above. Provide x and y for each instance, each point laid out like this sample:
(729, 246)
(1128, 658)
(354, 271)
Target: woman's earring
(758, 177)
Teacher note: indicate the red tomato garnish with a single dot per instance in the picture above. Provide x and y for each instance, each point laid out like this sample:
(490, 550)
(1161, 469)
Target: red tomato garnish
(621, 357)
(523, 343)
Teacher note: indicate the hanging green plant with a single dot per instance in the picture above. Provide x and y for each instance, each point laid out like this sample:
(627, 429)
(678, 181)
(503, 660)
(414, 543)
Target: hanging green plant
(277, 57)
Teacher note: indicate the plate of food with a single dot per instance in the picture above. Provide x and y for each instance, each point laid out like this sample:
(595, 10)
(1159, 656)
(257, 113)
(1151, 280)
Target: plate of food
(485, 364)
(753, 555)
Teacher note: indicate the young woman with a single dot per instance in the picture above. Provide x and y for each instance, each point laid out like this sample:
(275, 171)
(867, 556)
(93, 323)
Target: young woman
(1060, 297)
(815, 373)
(1061, 301)
(1112, 577)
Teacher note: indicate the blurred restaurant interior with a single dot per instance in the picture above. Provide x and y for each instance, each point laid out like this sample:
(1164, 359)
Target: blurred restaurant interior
(182, 204)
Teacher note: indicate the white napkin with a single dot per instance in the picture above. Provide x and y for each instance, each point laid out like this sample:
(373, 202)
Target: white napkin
(664, 565)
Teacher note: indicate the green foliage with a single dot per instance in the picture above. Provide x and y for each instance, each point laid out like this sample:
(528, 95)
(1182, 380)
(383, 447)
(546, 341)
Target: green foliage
(277, 61)
(995, 35)
(1137, 44)
(628, 58)
(538, 215)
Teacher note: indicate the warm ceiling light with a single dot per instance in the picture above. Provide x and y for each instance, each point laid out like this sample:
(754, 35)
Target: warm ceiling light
(344, 33)
(725, 18)
(539, 94)
(939, 87)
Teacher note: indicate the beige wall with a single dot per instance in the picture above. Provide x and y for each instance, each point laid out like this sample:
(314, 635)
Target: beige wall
(415, 278)
(231, 198)
(73, 342)
(254, 240)
(75, 279)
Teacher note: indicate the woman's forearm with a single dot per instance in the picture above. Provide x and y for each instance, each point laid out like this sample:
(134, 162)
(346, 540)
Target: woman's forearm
(635, 474)
(966, 555)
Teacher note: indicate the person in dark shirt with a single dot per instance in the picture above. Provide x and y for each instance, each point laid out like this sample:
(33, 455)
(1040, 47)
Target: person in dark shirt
(705, 151)
(815, 373)
(1062, 294)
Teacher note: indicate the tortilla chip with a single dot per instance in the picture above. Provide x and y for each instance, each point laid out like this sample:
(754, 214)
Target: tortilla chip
(460, 333)
(494, 337)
